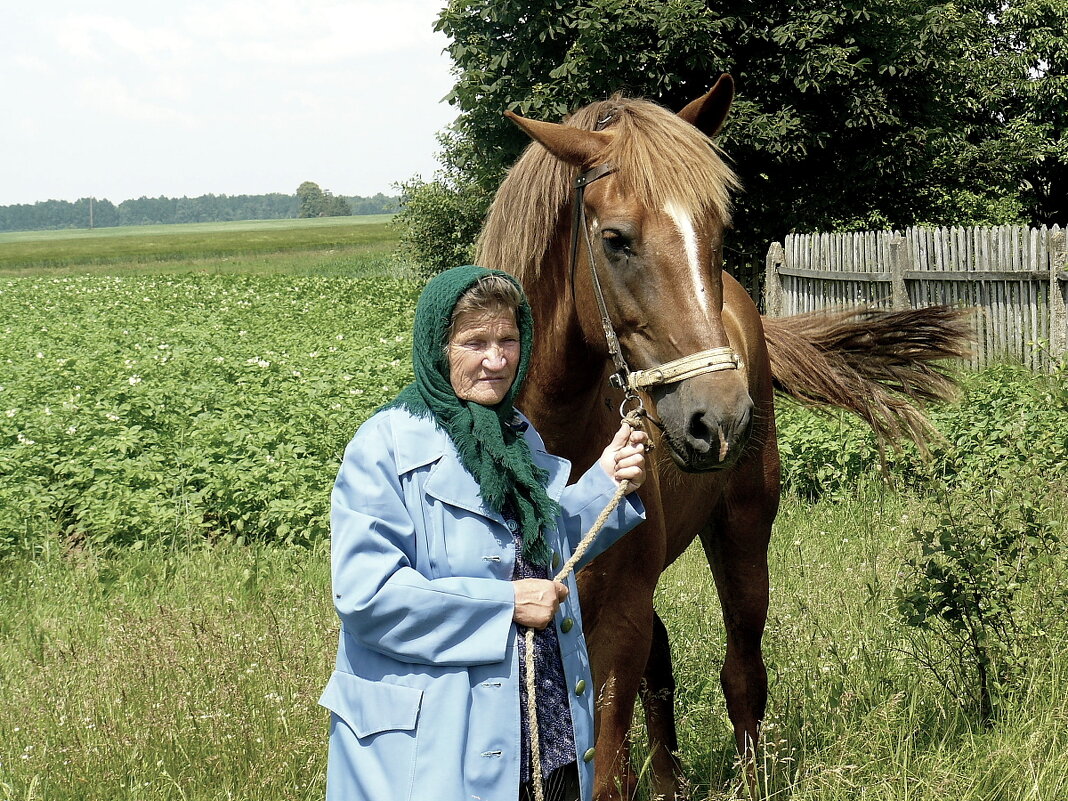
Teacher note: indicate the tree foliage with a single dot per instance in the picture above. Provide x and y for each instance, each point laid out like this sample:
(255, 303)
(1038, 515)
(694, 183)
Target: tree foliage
(314, 202)
(849, 114)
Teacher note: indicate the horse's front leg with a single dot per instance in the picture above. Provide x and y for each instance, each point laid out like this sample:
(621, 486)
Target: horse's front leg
(617, 610)
(736, 545)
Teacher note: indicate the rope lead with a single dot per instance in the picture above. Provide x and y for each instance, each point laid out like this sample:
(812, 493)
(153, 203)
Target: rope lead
(634, 420)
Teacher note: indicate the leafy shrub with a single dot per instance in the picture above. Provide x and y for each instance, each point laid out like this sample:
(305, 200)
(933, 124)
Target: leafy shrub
(1008, 416)
(823, 453)
(439, 222)
(980, 562)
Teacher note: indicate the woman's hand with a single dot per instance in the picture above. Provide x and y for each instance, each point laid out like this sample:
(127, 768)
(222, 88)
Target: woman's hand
(537, 601)
(624, 458)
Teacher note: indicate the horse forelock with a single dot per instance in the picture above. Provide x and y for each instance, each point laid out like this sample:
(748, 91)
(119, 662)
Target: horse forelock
(659, 160)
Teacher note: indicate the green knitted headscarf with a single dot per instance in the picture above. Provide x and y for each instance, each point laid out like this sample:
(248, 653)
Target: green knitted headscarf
(485, 437)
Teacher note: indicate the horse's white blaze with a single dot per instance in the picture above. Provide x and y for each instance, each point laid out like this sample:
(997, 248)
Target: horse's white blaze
(684, 222)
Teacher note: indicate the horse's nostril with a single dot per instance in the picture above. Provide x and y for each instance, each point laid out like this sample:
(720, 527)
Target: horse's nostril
(698, 428)
(704, 438)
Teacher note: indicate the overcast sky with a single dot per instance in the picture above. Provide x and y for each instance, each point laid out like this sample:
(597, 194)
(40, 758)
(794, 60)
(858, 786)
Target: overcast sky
(122, 98)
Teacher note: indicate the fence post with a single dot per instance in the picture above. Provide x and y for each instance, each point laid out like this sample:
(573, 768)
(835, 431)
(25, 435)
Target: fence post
(899, 263)
(1058, 317)
(773, 294)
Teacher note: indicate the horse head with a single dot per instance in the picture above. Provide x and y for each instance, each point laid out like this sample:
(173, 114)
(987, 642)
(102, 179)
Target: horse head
(650, 233)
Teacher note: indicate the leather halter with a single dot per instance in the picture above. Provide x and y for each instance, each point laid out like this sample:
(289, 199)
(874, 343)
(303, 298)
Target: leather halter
(707, 361)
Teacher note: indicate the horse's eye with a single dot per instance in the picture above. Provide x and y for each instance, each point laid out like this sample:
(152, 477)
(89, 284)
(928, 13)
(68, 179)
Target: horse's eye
(615, 243)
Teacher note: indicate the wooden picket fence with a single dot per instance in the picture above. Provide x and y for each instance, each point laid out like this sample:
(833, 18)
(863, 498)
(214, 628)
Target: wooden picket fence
(1015, 278)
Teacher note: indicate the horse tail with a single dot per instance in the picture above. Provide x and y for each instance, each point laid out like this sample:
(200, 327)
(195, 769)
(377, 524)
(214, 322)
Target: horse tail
(880, 365)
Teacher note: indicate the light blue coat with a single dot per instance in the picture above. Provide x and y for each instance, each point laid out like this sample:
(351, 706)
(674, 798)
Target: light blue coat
(425, 695)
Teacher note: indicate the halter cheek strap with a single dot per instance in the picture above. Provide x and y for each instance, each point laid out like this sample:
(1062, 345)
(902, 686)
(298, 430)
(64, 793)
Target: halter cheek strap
(707, 361)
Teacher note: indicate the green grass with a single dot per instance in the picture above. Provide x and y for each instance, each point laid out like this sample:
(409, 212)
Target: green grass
(277, 245)
(192, 673)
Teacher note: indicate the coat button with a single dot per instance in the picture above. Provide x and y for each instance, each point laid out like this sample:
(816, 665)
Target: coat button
(566, 625)
(580, 688)
(588, 755)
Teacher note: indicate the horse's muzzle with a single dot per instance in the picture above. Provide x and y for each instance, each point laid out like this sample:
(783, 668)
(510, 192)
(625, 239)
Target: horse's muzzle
(705, 437)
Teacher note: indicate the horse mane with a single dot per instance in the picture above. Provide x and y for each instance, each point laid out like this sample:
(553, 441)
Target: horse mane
(658, 158)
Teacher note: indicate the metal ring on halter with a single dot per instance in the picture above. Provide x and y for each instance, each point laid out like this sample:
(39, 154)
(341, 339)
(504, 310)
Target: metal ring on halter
(638, 410)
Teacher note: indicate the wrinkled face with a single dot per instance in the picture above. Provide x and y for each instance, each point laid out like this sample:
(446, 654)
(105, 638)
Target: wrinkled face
(483, 355)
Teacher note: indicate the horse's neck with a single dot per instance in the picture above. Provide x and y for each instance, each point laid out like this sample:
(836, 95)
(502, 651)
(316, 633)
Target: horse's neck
(566, 382)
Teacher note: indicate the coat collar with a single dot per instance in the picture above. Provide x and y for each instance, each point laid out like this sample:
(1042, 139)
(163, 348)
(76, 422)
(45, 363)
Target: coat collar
(418, 442)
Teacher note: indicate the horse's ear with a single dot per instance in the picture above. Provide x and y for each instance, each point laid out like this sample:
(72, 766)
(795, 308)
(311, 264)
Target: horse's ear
(710, 110)
(572, 145)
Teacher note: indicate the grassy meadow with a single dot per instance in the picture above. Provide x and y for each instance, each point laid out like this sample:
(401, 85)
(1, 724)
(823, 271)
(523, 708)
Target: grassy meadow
(173, 405)
(247, 246)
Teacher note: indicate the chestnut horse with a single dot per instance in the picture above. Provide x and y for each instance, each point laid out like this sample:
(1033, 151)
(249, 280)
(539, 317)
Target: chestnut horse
(652, 223)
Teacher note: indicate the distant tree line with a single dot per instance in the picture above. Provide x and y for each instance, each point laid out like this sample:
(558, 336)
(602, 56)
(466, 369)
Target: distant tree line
(53, 214)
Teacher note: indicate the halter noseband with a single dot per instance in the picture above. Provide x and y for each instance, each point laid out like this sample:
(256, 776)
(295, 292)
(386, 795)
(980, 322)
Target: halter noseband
(707, 361)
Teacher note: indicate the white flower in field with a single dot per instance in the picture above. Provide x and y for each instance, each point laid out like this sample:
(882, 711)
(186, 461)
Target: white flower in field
(134, 380)
(263, 363)
(314, 354)
(11, 412)
(24, 440)
(112, 417)
(242, 333)
(346, 378)
(398, 338)
(335, 406)
(297, 374)
(72, 429)
(47, 411)
(340, 337)
(218, 360)
(357, 392)
(164, 347)
(40, 355)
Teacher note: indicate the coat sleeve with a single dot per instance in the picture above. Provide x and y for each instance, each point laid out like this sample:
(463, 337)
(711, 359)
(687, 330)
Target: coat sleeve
(583, 503)
(382, 600)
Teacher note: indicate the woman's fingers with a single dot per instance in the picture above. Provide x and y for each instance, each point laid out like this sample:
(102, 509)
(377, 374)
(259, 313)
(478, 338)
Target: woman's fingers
(537, 601)
(624, 458)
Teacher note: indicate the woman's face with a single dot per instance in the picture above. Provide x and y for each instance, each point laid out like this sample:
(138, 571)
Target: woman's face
(483, 355)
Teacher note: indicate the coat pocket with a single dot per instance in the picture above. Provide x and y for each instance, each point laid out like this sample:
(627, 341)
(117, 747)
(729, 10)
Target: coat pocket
(370, 707)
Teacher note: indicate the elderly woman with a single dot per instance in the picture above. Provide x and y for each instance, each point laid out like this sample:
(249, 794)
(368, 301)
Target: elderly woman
(448, 520)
